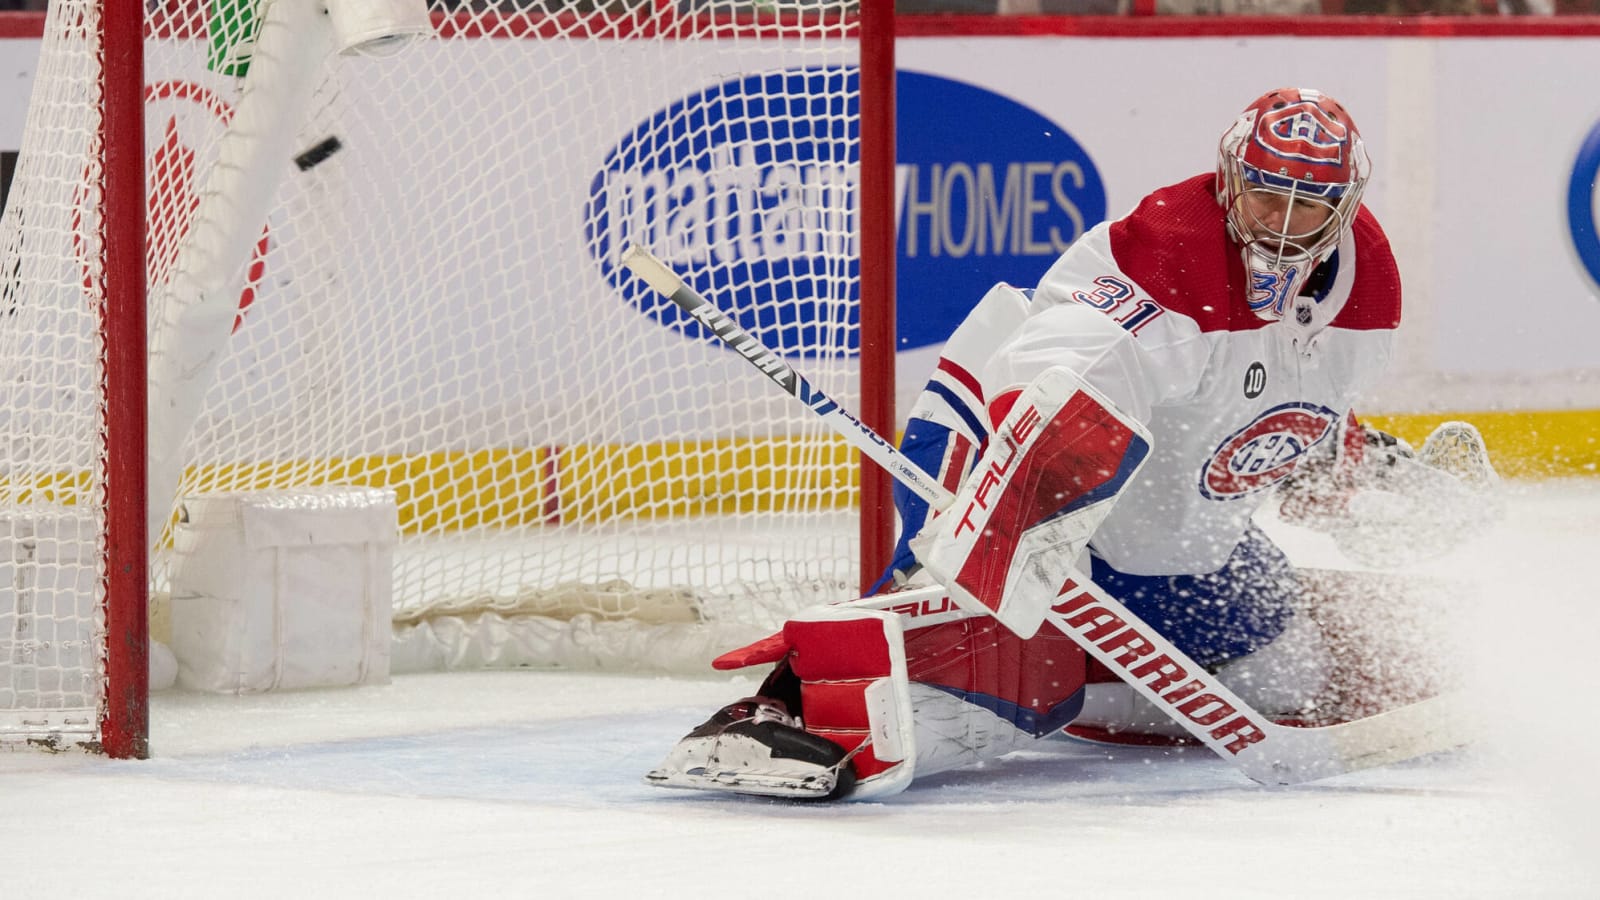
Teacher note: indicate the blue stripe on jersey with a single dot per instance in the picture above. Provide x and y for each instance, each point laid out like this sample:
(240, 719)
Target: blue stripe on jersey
(1328, 279)
(960, 408)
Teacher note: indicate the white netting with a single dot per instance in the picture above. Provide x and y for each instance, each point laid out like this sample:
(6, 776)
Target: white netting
(51, 436)
(431, 304)
(400, 271)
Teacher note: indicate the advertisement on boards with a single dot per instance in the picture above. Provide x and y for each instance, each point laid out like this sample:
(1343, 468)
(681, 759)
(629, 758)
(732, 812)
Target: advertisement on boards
(1009, 148)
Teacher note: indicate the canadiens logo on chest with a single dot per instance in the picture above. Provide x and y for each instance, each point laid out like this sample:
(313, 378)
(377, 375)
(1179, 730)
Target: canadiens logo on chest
(1264, 452)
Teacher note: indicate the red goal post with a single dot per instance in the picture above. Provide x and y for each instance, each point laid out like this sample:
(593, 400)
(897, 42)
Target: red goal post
(393, 273)
(73, 625)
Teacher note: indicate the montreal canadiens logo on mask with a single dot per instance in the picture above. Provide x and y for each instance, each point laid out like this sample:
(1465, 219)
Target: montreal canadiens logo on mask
(1303, 131)
(1264, 452)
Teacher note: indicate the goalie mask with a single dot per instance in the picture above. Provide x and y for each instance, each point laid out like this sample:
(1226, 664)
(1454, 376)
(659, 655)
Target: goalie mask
(1290, 174)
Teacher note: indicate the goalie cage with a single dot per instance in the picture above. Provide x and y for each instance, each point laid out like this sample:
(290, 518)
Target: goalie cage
(398, 271)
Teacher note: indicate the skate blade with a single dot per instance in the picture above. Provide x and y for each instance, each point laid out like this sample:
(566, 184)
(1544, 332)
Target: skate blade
(760, 784)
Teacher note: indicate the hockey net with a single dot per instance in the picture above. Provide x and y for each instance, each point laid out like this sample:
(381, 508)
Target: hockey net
(397, 268)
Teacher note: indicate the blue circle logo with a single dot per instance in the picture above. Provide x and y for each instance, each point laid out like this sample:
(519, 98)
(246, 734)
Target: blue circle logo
(1580, 204)
(988, 190)
(747, 190)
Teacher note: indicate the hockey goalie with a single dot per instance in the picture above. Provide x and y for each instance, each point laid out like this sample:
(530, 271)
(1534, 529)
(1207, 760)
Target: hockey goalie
(1124, 422)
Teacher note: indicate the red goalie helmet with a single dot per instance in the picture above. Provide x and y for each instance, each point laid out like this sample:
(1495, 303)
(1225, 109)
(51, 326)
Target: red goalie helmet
(1290, 174)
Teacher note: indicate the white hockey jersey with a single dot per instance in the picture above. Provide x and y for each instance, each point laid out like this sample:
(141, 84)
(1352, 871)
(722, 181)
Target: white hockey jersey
(1150, 310)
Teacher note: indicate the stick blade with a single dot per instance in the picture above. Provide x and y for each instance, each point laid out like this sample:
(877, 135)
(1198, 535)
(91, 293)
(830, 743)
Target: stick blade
(1298, 755)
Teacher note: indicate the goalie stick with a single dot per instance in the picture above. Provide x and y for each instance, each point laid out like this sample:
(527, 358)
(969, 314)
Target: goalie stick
(666, 283)
(1265, 751)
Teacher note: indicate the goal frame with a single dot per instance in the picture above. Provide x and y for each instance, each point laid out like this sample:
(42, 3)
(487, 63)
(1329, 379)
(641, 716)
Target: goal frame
(124, 722)
(125, 717)
(878, 245)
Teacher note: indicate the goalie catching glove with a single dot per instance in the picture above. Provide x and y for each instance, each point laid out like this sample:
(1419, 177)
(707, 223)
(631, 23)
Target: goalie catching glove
(1385, 504)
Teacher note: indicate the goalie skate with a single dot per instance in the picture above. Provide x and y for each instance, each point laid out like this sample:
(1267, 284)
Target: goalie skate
(755, 747)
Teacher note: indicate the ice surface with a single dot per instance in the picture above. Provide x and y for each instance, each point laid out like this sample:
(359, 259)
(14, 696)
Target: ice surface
(527, 784)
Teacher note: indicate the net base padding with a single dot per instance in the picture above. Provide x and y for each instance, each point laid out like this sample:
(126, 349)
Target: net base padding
(55, 730)
(611, 626)
(493, 641)
(615, 600)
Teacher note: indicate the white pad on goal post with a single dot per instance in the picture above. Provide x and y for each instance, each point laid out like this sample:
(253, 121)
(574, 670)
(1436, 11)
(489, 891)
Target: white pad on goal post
(1049, 477)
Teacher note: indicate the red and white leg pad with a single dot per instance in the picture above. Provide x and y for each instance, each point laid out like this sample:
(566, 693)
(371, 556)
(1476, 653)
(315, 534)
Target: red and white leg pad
(854, 691)
(912, 685)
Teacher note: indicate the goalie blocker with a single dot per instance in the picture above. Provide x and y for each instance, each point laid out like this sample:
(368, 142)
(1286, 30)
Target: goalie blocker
(1050, 475)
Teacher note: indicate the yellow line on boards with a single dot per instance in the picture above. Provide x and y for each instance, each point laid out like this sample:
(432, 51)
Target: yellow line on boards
(499, 488)
(1527, 444)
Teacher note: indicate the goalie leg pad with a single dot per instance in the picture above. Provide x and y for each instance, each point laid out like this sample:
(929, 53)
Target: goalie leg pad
(1035, 685)
(890, 688)
(943, 690)
(979, 691)
(854, 690)
(1048, 478)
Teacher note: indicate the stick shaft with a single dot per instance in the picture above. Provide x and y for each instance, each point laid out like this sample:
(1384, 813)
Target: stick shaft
(869, 442)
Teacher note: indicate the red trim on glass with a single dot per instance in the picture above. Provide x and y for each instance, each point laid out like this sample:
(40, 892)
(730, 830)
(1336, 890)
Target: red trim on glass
(1153, 26)
(1142, 22)
(21, 24)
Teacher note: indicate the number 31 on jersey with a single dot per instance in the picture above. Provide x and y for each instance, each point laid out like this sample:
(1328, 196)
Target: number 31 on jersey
(1115, 298)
